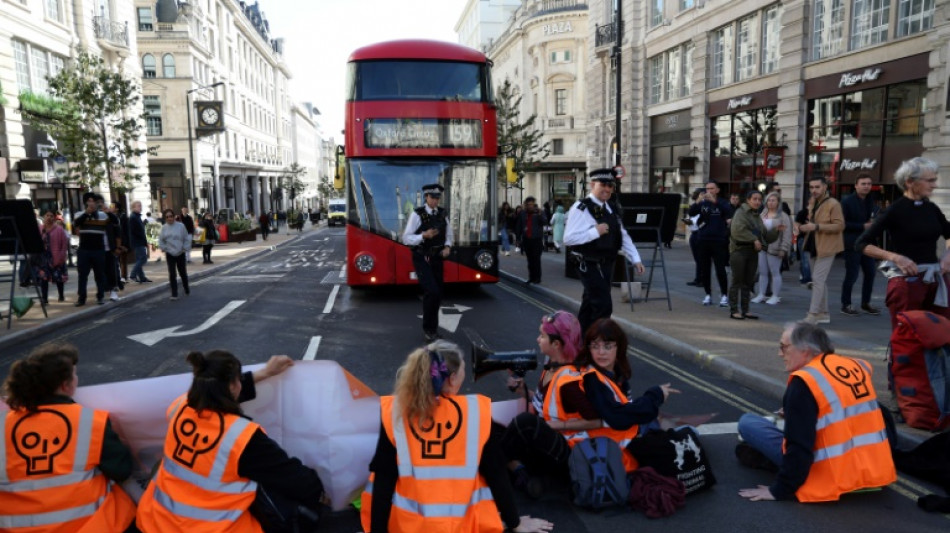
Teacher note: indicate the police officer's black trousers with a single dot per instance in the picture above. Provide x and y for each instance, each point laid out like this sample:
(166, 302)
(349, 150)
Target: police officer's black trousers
(429, 272)
(596, 302)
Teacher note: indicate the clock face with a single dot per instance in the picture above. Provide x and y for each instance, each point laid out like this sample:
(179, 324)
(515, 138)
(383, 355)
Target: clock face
(209, 116)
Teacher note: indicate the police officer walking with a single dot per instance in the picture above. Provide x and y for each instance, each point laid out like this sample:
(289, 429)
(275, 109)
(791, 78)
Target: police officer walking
(596, 233)
(429, 234)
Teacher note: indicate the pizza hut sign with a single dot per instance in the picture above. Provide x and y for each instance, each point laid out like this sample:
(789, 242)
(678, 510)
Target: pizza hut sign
(864, 164)
(849, 79)
(736, 103)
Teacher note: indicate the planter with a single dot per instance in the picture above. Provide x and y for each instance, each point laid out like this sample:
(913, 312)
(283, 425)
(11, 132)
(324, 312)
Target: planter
(241, 236)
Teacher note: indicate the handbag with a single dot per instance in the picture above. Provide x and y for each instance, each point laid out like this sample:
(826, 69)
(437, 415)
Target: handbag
(676, 453)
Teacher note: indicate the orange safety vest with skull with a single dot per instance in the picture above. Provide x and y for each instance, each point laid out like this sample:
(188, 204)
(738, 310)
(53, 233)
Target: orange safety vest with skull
(439, 489)
(620, 436)
(197, 488)
(49, 476)
(553, 406)
(851, 448)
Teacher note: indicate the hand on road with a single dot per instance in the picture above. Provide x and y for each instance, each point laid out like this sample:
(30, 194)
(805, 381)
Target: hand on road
(758, 494)
(533, 525)
(667, 390)
(277, 364)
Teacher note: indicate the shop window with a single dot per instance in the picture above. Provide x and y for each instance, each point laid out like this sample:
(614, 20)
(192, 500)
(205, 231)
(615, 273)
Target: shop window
(869, 22)
(722, 136)
(914, 16)
(828, 34)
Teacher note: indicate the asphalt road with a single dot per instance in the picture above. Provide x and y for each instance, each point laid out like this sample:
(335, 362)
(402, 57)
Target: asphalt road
(294, 301)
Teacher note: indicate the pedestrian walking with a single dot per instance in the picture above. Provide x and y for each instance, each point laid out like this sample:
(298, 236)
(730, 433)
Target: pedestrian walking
(595, 231)
(826, 224)
(504, 213)
(91, 225)
(300, 221)
(52, 267)
(265, 225)
(189, 223)
(558, 223)
(172, 240)
(771, 257)
(429, 234)
(530, 230)
(859, 210)
(211, 238)
(713, 241)
(747, 237)
(138, 241)
(114, 249)
(916, 278)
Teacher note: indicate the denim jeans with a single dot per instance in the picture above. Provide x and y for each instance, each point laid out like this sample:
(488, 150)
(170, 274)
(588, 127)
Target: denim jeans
(805, 267)
(853, 263)
(762, 434)
(141, 257)
(505, 245)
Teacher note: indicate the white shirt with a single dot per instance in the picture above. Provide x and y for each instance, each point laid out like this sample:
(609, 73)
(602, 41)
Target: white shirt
(411, 238)
(581, 228)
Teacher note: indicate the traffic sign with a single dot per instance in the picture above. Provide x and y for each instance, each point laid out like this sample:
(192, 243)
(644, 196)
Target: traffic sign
(620, 171)
(60, 167)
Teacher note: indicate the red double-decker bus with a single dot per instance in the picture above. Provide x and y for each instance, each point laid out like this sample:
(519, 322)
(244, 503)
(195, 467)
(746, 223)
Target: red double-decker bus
(419, 112)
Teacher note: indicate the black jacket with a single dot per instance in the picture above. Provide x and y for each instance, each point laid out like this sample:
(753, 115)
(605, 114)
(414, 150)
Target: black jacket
(856, 213)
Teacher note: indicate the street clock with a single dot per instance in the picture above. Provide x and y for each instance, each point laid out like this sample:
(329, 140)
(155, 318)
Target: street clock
(210, 117)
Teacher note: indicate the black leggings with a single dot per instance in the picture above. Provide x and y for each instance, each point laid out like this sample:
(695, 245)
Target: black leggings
(206, 252)
(531, 441)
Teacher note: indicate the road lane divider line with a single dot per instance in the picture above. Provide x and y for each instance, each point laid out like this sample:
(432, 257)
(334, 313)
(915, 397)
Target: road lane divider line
(329, 307)
(312, 348)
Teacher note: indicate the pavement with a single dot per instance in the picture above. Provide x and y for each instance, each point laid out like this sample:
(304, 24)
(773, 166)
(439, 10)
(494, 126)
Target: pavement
(743, 351)
(224, 255)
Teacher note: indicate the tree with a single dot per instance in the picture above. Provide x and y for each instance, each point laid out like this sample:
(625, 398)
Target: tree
(518, 140)
(93, 123)
(290, 178)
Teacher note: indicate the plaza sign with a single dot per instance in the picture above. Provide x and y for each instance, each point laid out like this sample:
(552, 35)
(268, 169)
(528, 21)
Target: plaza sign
(559, 27)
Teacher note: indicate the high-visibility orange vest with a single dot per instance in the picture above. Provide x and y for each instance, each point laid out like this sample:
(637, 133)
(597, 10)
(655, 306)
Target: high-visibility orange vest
(197, 488)
(49, 476)
(553, 406)
(620, 436)
(439, 489)
(851, 448)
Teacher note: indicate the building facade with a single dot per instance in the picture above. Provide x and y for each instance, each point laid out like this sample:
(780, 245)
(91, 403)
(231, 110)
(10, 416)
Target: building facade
(482, 21)
(215, 50)
(543, 53)
(759, 91)
(37, 39)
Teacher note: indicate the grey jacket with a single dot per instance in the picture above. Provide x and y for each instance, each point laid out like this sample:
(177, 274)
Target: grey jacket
(174, 238)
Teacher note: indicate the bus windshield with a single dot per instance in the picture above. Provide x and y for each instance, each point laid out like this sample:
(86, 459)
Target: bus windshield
(386, 191)
(417, 80)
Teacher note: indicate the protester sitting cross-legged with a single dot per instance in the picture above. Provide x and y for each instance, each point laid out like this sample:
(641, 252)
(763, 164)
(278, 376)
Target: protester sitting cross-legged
(607, 387)
(539, 441)
(435, 468)
(199, 489)
(67, 479)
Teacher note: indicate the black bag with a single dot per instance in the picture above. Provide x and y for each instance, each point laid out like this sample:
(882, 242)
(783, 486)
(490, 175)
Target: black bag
(676, 453)
(278, 514)
(598, 478)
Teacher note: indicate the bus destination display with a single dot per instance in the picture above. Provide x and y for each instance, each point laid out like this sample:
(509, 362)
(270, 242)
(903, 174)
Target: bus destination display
(422, 133)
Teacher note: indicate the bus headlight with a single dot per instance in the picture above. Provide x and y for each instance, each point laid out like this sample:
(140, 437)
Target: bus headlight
(364, 263)
(484, 260)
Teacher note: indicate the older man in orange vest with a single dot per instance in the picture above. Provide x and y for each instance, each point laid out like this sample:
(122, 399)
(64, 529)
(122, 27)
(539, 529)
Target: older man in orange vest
(835, 439)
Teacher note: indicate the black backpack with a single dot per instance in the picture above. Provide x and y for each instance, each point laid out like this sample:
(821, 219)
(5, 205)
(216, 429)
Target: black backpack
(598, 478)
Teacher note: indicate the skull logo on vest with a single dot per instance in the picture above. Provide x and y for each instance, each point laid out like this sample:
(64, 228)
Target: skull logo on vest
(437, 434)
(39, 437)
(851, 374)
(193, 440)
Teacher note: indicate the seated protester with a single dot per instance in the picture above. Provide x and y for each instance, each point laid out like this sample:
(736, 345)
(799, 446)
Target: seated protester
(835, 439)
(541, 438)
(74, 488)
(435, 468)
(608, 388)
(209, 484)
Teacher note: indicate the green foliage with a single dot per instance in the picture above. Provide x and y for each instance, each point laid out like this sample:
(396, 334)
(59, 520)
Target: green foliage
(517, 139)
(238, 225)
(94, 126)
(3, 99)
(290, 180)
(152, 232)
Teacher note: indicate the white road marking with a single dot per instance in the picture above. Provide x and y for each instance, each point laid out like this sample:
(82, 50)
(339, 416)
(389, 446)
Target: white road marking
(450, 321)
(721, 428)
(150, 338)
(312, 348)
(329, 307)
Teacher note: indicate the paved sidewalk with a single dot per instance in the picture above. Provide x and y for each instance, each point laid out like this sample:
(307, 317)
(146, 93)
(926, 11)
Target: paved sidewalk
(745, 351)
(62, 313)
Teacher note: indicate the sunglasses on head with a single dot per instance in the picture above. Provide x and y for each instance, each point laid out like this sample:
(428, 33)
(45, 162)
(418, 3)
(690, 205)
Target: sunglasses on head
(549, 319)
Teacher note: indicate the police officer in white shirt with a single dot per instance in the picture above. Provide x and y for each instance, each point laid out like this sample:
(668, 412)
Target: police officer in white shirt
(596, 234)
(429, 234)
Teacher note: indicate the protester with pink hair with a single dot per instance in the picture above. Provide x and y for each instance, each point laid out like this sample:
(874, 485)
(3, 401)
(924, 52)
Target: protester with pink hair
(539, 440)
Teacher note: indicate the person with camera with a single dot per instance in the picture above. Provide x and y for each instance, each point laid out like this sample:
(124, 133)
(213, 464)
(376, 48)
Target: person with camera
(217, 463)
(429, 234)
(607, 387)
(596, 233)
(435, 466)
(539, 440)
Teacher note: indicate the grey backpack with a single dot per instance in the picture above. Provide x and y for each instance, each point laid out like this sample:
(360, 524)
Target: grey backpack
(598, 478)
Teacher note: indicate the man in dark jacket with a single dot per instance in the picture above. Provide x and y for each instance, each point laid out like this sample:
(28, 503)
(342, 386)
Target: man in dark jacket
(858, 209)
(713, 241)
(530, 228)
(138, 242)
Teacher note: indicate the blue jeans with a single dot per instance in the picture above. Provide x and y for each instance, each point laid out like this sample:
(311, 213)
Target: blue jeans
(805, 267)
(760, 433)
(141, 257)
(505, 245)
(853, 262)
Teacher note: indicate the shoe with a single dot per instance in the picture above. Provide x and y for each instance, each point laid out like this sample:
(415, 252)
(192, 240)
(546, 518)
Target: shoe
(707, 300)
(758, 299)
(114, 296)
(210, 262)
(695, 283)
(507, 254)
(187, 291)
(736, 316)
(189, 261)
(145, 280)
(173, 298)
(61, 299)
(750, 316)
(432, 337)
(125, 280)
(810, 284)
(80, 303)
(724, 301)
(532, 486)
(100, 301)
(517, 249)
(850, 311)
(870, 309)
(752, 458)
(774, 300)
(818, 318)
